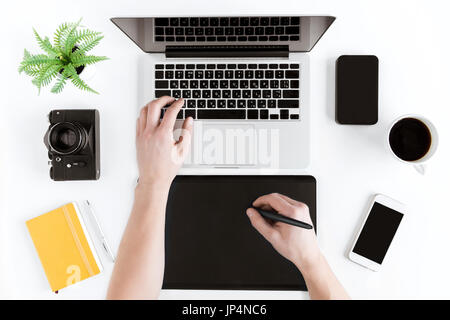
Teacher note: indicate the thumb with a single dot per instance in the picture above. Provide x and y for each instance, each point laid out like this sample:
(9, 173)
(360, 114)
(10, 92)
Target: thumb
(261, 225)
(184, 142)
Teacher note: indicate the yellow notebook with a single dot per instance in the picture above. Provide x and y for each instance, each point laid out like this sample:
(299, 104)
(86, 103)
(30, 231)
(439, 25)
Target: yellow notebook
(64, 246)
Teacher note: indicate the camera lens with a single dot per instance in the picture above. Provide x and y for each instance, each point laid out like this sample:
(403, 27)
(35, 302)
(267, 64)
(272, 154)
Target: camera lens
(66, 137)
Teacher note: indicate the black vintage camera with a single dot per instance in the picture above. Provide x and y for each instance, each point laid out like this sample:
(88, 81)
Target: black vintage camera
(73, 143)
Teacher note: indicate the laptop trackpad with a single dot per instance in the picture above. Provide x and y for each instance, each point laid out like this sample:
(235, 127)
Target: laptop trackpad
(223, 145)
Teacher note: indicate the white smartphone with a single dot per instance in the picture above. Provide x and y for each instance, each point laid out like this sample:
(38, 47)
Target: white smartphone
(377, 232)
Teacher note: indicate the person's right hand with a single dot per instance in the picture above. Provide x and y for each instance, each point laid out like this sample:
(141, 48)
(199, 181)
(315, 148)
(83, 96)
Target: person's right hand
(295, 244)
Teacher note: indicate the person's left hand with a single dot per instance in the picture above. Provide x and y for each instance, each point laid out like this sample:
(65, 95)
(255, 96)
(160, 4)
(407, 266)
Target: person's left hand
(159, 156)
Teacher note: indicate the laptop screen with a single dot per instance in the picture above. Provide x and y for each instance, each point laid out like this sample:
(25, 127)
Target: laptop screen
(298, 33)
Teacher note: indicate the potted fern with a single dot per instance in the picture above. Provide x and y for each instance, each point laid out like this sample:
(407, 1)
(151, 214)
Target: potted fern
(65, 60)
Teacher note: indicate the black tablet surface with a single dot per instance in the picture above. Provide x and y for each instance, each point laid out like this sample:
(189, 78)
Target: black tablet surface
(210, 243)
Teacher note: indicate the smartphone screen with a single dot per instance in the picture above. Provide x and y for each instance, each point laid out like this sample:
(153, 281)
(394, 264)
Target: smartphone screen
(357, 90)
(377, 234)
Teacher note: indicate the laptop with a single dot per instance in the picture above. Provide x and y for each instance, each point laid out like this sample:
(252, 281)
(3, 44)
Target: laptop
(245, 81)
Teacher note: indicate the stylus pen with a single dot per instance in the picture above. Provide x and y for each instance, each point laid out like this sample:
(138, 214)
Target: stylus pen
(278, 217)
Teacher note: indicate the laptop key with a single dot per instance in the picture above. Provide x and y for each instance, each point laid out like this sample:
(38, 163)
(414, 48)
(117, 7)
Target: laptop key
(187, 94)
(161, 84)
(284, 84)
(159, 74)
(261, 104)
(223, 84)
(180, 114)
(216, 94)
(295, 84)
(252, 114)
(274, 84)
(221, 103)
(267, 94)
(160, 93)
(174, 84)
(290, 94)
(213, 84)
(184, 22)
(226, 94)
(189, 113)
(221, 114)
(264, 114)
(206, 94)
(176, 93)
(254, 21)
(211, 104)
(236, 94)
(241, 103)
(288, 103)
(193, 83)
(274, 117)
(284, 114)
(169, 74)
(161, 22)
(256, 94)
(201, 104)
(292, 30)
(292, 74)
(191, 104)
(204, 22)
(294, 116)
(184, 84)
(231, 104)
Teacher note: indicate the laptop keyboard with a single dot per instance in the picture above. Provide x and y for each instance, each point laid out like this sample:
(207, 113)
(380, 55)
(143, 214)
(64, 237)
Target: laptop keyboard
(232, 91)
(223, 29)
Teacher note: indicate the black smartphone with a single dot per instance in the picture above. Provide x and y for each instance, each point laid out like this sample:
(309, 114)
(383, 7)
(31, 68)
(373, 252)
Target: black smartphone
(357, 89)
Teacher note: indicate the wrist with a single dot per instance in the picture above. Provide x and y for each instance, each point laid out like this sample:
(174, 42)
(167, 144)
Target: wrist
(151, 190)
(153, 185)
(310, 264)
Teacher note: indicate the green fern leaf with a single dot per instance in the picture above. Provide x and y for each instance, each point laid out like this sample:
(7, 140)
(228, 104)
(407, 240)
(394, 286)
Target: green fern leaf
(45, 76)
(71, 39)
(34, 60)
(45, 44)
(89, 45)
(86, 35)
(76, 80)
(86, 60)
(30, 70)
(60, 83)
(60, 34)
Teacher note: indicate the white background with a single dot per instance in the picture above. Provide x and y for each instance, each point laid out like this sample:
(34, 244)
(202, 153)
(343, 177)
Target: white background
(351, 163)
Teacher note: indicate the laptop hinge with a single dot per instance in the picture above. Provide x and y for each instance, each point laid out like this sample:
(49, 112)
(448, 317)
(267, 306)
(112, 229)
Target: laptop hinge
(227, 51)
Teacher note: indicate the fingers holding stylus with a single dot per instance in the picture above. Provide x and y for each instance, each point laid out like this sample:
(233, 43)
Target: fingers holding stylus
(261, 224)
(272, 201)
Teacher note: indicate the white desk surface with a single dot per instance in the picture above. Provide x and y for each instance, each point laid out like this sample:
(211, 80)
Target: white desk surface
(350, 163)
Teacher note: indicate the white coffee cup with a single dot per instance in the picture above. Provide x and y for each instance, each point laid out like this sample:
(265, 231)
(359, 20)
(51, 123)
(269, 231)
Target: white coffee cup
(418, 164)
